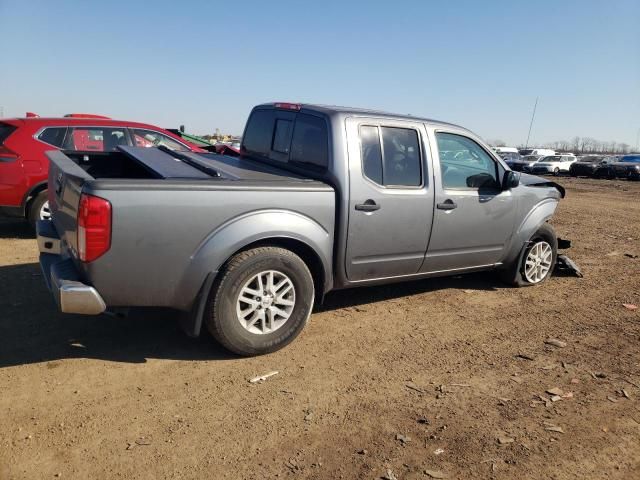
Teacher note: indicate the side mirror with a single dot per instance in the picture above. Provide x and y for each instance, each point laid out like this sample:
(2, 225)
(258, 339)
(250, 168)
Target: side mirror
(510, 180)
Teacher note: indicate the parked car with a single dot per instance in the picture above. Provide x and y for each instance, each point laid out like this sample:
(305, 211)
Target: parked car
(510, 158)
(525, 162)
(586, 166)
(540, 152)
(555, 164)
(24, 141)
(321, 198)
(500, 150)
(627, 167)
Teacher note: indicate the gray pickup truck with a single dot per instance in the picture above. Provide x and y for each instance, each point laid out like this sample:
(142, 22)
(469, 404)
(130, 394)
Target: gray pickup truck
(321, 198)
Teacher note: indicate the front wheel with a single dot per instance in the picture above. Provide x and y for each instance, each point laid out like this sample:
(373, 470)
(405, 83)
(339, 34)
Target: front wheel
(556, 172)
(262, 301)
(537, 260)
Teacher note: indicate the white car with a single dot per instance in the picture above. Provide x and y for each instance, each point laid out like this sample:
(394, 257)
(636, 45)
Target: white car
(555, 164)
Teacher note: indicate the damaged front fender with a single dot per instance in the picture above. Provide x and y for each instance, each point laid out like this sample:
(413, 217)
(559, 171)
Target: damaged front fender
(534, 181)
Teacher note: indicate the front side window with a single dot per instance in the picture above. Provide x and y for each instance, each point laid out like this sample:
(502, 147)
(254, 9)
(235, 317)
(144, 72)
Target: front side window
(150, 138)
(464, 164)
(99, 139)
(391, 155)
(53, 136)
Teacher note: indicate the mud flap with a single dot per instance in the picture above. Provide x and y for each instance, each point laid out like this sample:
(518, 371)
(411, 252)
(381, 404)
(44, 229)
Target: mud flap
(191, 321)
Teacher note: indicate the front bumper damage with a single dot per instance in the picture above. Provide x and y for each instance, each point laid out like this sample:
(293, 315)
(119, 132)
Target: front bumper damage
(62, 277)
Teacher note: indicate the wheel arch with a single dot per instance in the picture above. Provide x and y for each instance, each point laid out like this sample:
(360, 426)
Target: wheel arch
(537, 217)
(193, 320)
(33, 192)
(280, 228)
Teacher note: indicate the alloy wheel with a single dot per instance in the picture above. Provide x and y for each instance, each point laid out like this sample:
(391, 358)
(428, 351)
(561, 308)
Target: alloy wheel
(265, 302)
(538, 262)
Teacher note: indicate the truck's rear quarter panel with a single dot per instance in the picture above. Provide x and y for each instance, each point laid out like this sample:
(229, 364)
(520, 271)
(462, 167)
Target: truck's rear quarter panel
(157, 235)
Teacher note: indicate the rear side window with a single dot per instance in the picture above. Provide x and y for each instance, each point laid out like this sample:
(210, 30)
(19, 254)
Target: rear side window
(391, 155)
(309, 144)
(53, 136)
(5, 131)
(371, 153)
(287, 137)
(257, 139)
(99, 139)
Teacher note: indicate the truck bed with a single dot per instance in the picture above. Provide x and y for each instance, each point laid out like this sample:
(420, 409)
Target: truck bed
(172, 217)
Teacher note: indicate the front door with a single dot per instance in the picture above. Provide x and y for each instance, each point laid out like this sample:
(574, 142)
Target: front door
(474, 217)
(390, 199)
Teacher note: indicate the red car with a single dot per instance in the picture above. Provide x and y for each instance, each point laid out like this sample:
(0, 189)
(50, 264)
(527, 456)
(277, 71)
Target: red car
(24, 141)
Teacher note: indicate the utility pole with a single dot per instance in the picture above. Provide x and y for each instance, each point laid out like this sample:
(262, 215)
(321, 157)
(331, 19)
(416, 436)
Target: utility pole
(638, 142)
(535, 105)
(1, 111)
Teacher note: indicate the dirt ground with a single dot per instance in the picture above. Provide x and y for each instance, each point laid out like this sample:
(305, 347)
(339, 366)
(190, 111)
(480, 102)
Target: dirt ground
(444, 378)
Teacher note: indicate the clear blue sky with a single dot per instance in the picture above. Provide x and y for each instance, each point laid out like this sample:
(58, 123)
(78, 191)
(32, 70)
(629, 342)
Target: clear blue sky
(205, 64)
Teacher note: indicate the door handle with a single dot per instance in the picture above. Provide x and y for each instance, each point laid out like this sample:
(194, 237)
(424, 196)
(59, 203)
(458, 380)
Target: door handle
(368, 206)
(448, 204)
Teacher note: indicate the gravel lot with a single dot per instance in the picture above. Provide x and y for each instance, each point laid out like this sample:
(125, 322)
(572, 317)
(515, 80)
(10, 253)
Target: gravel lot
(445, 377)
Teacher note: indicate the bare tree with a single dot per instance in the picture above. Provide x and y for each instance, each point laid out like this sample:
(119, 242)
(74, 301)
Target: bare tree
(575, 144)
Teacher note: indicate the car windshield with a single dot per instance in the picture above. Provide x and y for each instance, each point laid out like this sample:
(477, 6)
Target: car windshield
(591, 159)
(531, 158)
(526, 152)
(554, 158)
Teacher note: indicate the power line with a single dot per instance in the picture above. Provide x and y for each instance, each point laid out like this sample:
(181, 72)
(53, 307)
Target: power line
(535, 105)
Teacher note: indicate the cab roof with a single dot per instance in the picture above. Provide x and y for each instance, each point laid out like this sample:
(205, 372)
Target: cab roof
(331, 110)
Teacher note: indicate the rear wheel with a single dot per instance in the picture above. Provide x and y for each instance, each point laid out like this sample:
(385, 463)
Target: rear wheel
(262, 301)
(537, 260)
(39, 209)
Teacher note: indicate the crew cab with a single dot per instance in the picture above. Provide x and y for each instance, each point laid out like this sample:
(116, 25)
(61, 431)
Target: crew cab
(321, 198)
(24, 141)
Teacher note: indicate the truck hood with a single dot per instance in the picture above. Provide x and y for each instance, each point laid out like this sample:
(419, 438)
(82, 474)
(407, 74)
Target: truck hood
(534, 181)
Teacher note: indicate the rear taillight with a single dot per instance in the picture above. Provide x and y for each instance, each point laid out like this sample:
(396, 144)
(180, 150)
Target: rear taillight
(94, 227)
(7, 155)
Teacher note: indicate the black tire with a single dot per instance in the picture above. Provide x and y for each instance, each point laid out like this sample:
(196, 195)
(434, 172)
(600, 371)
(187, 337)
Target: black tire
(222, 319)
(35, 208)
(514, 274)
(556, 172)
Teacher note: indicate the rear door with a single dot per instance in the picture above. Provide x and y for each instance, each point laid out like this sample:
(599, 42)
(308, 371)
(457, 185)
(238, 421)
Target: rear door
(474, 217)
(390, 198)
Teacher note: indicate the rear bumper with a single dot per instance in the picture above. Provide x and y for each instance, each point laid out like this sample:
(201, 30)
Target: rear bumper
(62, 278)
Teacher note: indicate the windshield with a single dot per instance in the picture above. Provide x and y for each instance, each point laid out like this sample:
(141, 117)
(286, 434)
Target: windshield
(591, 159)
(531, 158)
(553, 158)
(526, 152)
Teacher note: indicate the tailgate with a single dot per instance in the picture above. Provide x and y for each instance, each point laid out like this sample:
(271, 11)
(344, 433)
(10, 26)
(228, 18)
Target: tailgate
(66, 179)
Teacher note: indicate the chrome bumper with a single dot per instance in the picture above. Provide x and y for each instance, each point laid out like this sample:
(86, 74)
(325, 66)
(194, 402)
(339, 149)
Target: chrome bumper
(61, 276)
